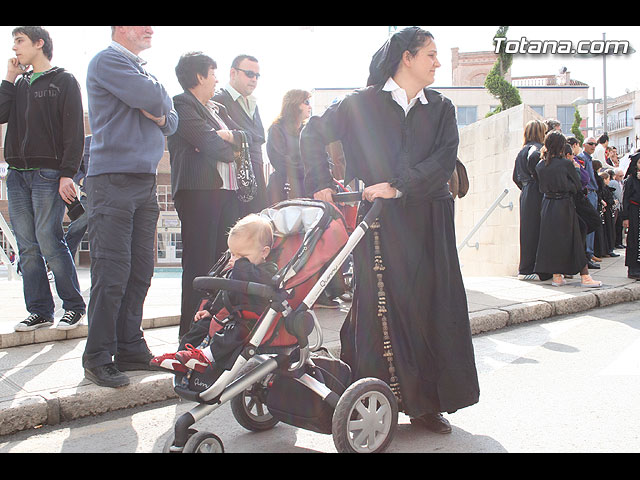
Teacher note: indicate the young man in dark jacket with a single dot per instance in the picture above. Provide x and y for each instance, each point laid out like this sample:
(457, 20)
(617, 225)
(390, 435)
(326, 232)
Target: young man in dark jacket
(42, 107)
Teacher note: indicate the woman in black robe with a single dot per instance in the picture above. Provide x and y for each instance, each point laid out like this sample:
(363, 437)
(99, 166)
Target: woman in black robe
(525, 177)
(608, 215)
(599, 239)
(560, 245)
(408, 324)
(631, 216)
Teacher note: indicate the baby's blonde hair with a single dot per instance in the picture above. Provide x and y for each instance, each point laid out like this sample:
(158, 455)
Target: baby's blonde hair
(256, 228)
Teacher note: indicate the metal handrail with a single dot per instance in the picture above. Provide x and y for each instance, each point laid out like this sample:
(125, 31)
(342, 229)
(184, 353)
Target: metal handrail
(494, 205)
(8, 235)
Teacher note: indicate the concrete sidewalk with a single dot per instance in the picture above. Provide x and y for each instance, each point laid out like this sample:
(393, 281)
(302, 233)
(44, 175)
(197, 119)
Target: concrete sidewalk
(42, 379)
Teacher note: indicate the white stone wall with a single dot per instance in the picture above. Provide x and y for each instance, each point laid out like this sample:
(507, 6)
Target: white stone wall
(488, 149)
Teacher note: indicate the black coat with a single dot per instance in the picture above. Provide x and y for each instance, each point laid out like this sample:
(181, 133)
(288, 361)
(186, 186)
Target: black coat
(407, 273)
(45, 123)
(525, 177)
(560, 245)
(283, 150)
(631, 212)
(195, 149)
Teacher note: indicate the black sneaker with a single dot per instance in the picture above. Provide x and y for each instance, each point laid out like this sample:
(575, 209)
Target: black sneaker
(106, 376)
(32, 322)
(134, 361)
(69, 320)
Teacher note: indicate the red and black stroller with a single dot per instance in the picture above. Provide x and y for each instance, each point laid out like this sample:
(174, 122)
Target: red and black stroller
(277, 376)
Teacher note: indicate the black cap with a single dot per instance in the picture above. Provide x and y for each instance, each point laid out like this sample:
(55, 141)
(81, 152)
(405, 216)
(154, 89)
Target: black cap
(385, 61)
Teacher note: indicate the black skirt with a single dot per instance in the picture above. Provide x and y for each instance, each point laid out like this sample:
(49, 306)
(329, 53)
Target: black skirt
(560, 245)
(409, 323)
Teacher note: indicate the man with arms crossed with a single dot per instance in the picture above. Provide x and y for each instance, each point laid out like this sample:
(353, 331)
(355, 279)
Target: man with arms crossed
(130, 114)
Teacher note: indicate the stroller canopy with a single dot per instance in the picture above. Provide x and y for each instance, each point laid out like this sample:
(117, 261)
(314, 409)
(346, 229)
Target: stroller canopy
(321, 226)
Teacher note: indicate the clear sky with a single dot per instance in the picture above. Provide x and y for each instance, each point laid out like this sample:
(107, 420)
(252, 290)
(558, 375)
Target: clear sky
(336, 56)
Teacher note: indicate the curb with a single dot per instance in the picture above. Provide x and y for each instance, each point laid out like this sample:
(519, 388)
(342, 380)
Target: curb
(44, 335)
(51, 408)
(496, 318)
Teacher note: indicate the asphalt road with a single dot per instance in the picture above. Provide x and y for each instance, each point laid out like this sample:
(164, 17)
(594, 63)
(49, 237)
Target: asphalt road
(566, 385)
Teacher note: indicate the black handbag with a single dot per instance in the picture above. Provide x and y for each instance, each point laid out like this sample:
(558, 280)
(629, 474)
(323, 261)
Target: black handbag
(247, 185)
(587, 213)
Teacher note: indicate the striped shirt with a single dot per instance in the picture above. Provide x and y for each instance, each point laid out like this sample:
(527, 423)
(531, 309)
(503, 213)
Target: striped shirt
(227, 171)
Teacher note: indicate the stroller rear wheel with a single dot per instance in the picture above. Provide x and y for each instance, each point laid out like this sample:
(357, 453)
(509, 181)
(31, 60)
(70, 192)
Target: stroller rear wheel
(249, 407)
(203, 442)
(365, 418)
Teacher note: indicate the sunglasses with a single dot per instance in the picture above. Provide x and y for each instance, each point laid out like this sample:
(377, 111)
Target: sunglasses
(591, 143)
(307, 102)
(249, 73)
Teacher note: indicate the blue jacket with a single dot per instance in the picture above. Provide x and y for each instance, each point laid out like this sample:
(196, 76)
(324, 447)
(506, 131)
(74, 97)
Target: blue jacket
(588, 165)
(124, 140)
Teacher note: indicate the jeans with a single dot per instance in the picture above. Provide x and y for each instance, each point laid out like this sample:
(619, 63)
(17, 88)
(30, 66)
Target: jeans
(36, 210)
(593, 199)
(123, 212)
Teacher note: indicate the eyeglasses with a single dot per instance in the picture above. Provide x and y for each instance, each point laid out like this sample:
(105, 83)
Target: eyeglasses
(591, 143)
(249, 73)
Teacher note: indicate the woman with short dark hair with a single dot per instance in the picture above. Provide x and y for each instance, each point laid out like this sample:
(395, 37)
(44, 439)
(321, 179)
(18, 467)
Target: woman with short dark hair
(203, 176)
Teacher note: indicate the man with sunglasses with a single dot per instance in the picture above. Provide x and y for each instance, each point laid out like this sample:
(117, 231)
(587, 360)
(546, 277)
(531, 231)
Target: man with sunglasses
(242, 107)
(589, 147)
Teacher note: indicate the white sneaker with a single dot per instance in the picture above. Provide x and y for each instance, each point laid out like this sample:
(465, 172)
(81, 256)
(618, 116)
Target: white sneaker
(531, 276)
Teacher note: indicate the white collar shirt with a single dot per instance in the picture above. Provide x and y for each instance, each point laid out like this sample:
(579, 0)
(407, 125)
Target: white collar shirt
(248, 104)
(400, 96)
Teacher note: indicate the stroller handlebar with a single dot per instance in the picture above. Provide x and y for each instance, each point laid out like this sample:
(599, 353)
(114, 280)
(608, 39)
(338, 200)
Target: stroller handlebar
(355, 197)
(373, 212)
(347, 197)
(213, 284)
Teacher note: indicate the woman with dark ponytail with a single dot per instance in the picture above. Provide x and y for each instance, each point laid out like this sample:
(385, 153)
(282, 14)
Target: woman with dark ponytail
(560, 245)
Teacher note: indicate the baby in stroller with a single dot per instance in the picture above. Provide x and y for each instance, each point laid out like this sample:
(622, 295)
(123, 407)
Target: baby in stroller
(250, 242)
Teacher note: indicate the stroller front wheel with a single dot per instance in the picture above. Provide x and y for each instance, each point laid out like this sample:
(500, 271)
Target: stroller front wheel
(249, 407)
(203, 442)
(365, 418)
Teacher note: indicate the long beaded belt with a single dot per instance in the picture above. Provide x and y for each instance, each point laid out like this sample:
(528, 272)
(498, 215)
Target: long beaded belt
(378, 268)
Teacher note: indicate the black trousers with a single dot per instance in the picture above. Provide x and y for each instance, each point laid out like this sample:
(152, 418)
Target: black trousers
(122, 217)
(206, 217)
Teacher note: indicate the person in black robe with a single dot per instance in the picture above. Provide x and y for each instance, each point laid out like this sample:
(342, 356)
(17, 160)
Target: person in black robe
(561, 242)
(608, 215)
(524, 176)
(408, 323)
(599, 240)
(631, 216)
